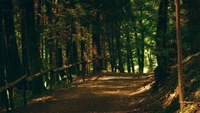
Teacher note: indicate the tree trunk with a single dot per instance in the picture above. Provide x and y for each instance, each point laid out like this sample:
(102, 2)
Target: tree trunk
(110, 44)
(51, 42)
(75, 58)
(161, 32)
(142, 53)
(161, 71)
(138, 50)
(132, 63)
(96, 47)
(83, 58)
(13, 67)
(193, 16)
(13, 60)
(3, 95)
(179, 48)
(118, 44)
(60, 61)
(34, 52)
(128, 51)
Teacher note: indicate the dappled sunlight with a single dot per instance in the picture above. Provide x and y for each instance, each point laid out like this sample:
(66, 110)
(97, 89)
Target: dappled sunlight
(118, 85)
(41, 99)
(142, 89)
(197, 94)
(138, 101)
(170, 97)
(114, 77)
(116, 92)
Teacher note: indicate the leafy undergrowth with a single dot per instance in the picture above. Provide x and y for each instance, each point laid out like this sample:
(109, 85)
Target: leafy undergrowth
(168, 94)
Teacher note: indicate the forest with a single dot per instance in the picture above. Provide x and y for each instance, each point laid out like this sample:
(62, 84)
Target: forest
(47, 43)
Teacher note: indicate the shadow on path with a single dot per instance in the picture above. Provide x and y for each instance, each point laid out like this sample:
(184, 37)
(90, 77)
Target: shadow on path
(110, 93)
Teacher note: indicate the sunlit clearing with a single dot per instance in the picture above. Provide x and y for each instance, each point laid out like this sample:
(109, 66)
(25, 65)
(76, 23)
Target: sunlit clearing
(41, 99)
(146, 70)
(142, 89)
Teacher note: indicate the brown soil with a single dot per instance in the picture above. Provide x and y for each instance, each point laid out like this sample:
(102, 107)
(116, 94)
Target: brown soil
(109, 93)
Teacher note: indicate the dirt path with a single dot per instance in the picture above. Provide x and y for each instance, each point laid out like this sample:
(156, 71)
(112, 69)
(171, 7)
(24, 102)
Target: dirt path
(102, 94)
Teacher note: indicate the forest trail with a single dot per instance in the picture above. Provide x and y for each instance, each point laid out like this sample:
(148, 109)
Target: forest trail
(108, 93)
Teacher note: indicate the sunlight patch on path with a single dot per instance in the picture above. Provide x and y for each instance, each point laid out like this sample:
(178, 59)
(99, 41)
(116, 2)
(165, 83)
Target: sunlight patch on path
(114, 77)
(117, 92)
(142, 89)
(41, 99)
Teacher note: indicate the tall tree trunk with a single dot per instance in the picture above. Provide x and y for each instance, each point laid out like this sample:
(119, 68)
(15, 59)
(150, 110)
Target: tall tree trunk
(83, 56)
(13, 67)
(161, 71)
(34, 52)
(67, 59)
(161, 32)
(97, 65)
(50, 41)
(60, 61)
(150, 61)
(142, 53)
(75, 58)
(132, 63)
(193, 16)
(110, 49)
(103, 46)
(56, 57)
(128, 51)
(111, 45)
(138, 49)
(25, 58)
(13, 60)
(3, 95)
(179, 47)
(118, 44)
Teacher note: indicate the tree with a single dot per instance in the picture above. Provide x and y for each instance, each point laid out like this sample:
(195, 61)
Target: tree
(3, 95)
(96, 47)
(192, 25)
(161, 43)
(34, 52)
(13, 66)
(179, 47)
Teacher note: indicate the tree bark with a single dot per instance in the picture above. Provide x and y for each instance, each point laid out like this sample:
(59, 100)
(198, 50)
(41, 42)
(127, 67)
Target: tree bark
(161, 71)
(138, 49)
(179, 48)
(128, 51)
(13, 66)
(142, 53)
(83, 57)
(96, 47)
(34, 52)
(118, 43)
(193, 15)
(161, 32)
(3, 95)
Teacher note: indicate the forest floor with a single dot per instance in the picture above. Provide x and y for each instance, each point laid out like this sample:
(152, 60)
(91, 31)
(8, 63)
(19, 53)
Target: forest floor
(103, 93)
(121, 93)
